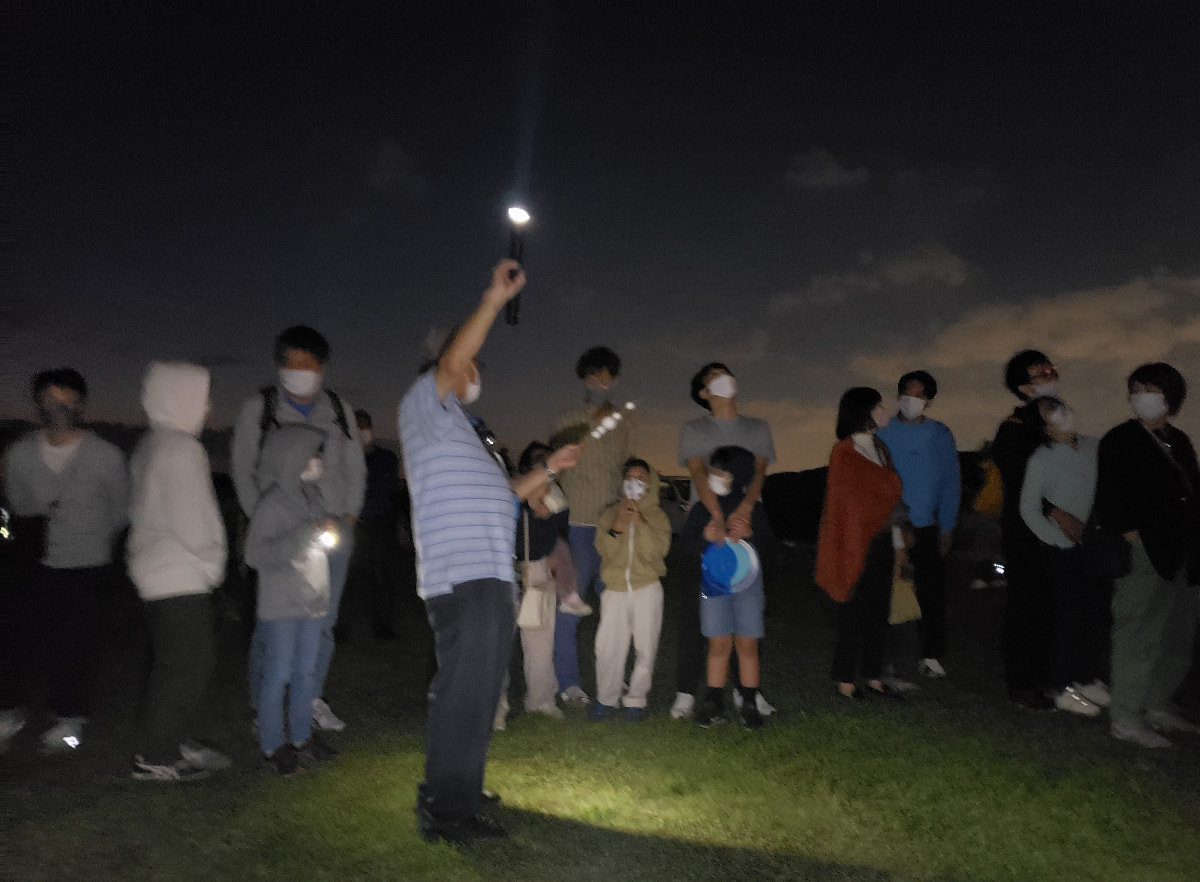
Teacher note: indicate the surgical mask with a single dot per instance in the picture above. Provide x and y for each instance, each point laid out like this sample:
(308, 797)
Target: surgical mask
(634, 488)
(723, 386)
(1063, 420)
(596, 397)
(720, 486)
(1148, 405)
(313, 471)
(473, 391)
(1045, 390)
(367, 437)
(302, 384)
(59, 416)
(911, 406)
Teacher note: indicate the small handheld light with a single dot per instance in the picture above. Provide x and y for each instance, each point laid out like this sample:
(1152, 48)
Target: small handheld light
(518, 217)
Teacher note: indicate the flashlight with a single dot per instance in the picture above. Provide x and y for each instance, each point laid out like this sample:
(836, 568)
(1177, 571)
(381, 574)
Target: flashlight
(327, 539)
(518, 217)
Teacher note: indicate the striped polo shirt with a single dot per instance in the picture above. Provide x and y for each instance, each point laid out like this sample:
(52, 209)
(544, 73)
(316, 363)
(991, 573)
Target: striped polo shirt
(463, 510)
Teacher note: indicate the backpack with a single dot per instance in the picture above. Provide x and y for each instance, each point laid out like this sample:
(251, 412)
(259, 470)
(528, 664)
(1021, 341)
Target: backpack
(268, 421)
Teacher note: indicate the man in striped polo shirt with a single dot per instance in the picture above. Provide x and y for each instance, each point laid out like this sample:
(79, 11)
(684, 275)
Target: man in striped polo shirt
(464, 515)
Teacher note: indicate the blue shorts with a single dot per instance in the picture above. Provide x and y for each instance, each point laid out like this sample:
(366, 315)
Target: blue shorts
(740, 614)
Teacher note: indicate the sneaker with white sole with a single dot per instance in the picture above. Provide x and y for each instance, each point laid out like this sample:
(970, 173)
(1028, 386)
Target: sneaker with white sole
(180, 770)
(1143, 736)
(12, 721)
(199, 756)
(64, 736)
(1170, 723)
(765, 708)
(324, 718)
(574, 695)
(1095, 692)
(898, 685)
(931, 668)
(573, 605)
(1072, 702)
(682, 708)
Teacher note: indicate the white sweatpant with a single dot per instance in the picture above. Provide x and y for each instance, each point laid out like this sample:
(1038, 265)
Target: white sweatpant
(624, 616)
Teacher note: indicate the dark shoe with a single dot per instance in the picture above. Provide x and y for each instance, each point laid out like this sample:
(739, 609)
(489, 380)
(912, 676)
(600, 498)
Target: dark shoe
(285, 760)
(635, 715)
(601, 712)
(709, 713)
(316, 749)
(1030, 699)
(751, 718)
(458, 831)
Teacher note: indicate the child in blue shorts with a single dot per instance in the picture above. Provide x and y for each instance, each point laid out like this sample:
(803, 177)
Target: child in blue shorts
(731, 594)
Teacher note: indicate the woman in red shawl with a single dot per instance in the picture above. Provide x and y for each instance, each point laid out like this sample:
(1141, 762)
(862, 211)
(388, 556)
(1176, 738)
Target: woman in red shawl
(862, 536)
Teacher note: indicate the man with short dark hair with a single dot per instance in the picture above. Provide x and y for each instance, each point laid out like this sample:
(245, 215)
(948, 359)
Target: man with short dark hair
(1028, 617)
(925, 456)
(298, 396)
(70, 488)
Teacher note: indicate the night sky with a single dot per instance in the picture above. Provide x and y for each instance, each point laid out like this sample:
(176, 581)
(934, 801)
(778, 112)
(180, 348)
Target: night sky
(820, 194)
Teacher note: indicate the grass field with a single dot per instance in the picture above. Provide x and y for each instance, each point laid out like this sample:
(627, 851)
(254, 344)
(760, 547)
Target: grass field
(952, 784)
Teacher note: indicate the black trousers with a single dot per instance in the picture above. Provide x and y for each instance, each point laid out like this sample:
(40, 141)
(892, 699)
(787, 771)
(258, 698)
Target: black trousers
(929, 578)
(473, 630)
(863, 619)
(373, 580)
(1082, 618)
(181, 635)
(62, 642)
(1026, 634)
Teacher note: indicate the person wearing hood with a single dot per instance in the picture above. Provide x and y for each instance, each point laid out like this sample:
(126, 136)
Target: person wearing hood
(300, 396)
(633, 538)
(69, 491)
(290, 536)
(176, 554)
(730, 621)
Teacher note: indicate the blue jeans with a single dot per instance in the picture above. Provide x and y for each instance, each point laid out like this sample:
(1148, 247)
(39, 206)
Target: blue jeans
(289, 664)
(339, 563)
(587, 566)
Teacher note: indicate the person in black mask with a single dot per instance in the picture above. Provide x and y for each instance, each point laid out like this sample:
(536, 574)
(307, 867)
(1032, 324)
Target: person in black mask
(731, 605)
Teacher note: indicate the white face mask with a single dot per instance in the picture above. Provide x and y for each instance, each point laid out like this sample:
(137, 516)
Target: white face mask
(1063, 420)
(911, 406)
(313, 471)
(1148, 405)
(634, 488)
(1045, 390)
(719, 485)
(722, 386)
(302, 384)
(473, 390)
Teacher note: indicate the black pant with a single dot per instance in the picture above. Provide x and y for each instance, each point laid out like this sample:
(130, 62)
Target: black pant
(373, 579)
(65, 635)
(863, 619)
(929, 578)
(181, 635)
(1082, 618)
(473, 629)
(1028, 619)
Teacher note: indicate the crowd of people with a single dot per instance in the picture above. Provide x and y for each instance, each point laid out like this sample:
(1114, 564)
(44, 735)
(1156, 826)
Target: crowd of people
(1101, 542)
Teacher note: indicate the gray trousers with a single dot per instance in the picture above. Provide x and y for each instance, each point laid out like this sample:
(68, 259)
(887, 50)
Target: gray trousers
(1154, 623)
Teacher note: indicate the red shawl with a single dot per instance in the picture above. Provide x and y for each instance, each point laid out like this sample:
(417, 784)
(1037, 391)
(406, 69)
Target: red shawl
(859, 498)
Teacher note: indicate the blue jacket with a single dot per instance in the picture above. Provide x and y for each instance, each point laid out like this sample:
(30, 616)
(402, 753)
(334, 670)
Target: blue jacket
(927, 461)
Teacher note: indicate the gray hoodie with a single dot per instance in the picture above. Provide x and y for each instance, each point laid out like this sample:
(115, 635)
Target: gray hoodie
(281, 543)
(176, 536)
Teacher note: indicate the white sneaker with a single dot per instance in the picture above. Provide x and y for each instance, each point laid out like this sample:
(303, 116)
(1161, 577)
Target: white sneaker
(551, 710)
(898, 685)
(11, 722)
(931, 668)
(1095, 692)
(180, 770)
(682, 708)
(765, 708)
(574, 605)
(500, 722)
(64, 736)
(574, 695)
(1169, 722)
(324, 718)
(1138, 734)
(200, 757)
(1071, 701)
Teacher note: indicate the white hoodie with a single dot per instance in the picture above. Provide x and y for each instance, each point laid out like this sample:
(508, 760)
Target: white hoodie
(176, 536)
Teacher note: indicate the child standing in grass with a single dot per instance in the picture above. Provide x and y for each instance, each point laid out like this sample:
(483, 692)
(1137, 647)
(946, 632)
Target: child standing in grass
(731, 618)
(290, 534)
(633, 538)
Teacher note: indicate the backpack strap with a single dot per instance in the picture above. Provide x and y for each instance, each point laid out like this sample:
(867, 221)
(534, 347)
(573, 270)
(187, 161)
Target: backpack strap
(339, 412)
(268, 420)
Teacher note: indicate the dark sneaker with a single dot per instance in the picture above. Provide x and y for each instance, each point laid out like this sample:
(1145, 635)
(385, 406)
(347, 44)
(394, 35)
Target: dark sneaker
(180, 770)
(458, 831)
(635, 714)
(285, 760)
(601, 712)
(316, 749)
(709, 713)
(751, 717)
(1030, 699)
